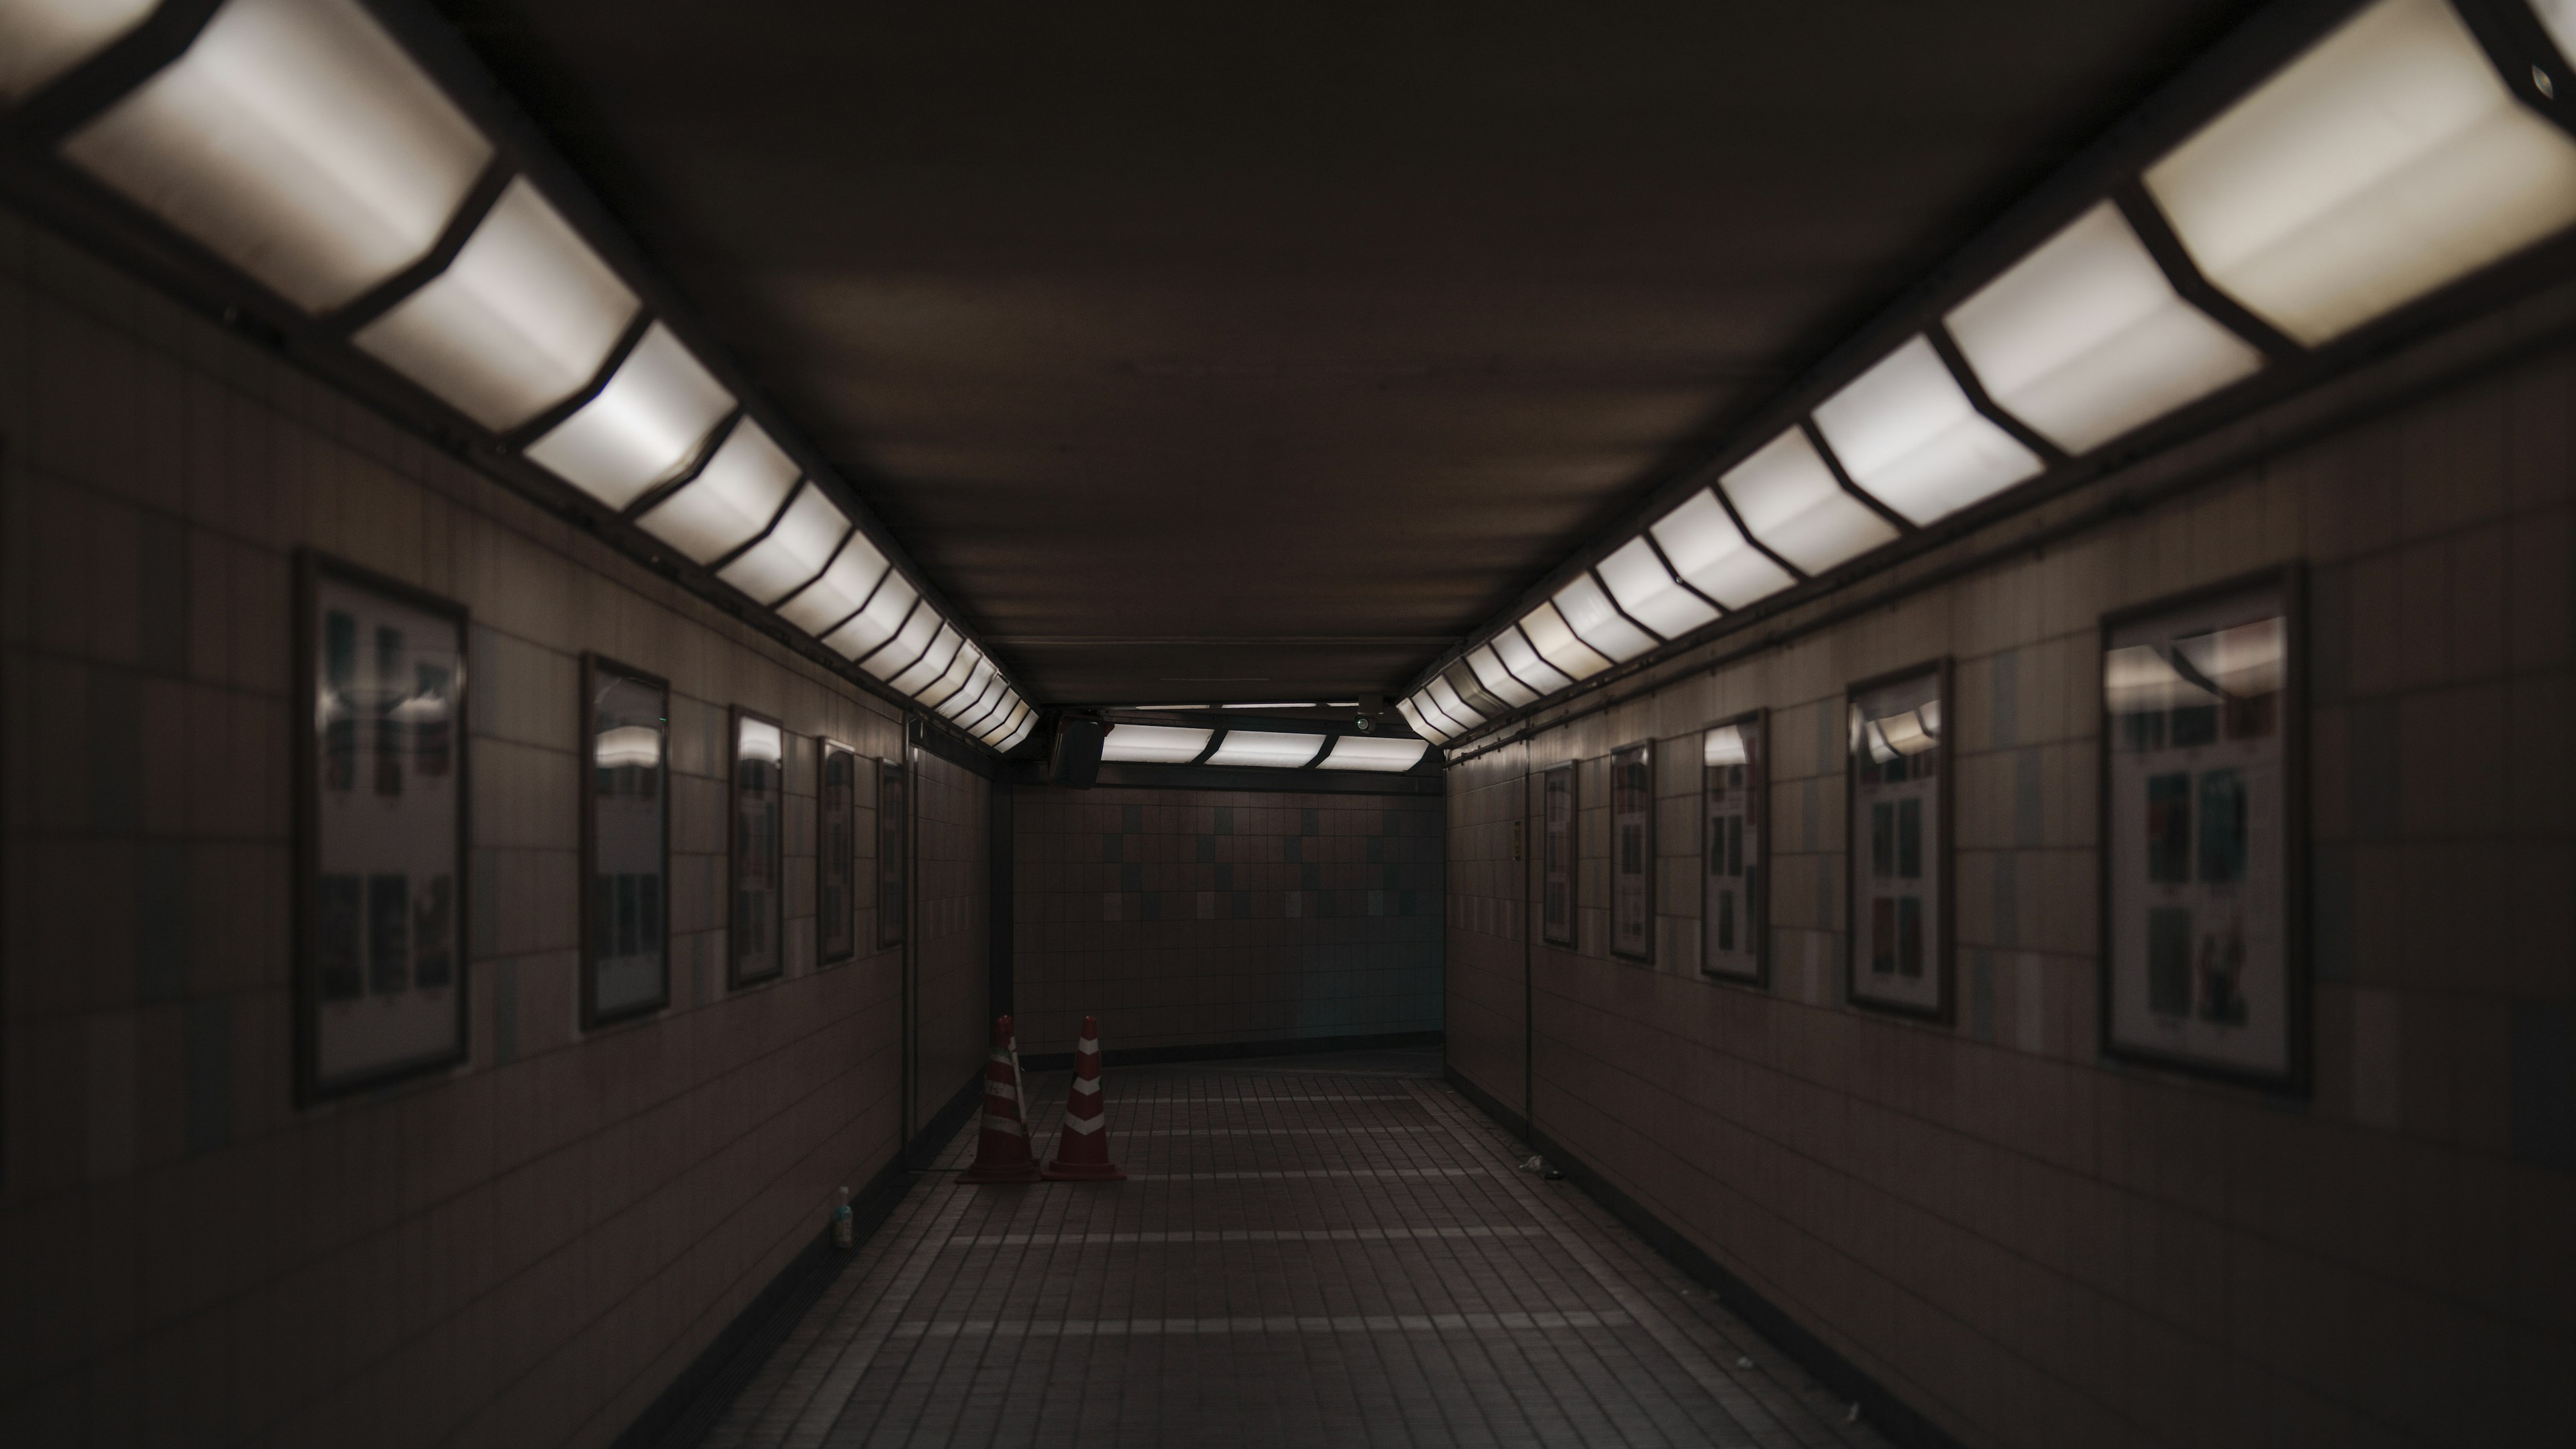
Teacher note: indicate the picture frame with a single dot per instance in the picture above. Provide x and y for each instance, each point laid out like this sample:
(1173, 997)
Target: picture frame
(836, 853)
(893, 797)
(1632, 851)
(1735, 844)
(2203, 759)
(1897, 863)
(1558, 895)
(383, 829)
(756, 866)
(625, 842)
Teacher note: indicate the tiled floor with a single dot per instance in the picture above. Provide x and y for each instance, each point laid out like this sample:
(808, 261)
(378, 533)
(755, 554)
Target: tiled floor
(1322, 1250)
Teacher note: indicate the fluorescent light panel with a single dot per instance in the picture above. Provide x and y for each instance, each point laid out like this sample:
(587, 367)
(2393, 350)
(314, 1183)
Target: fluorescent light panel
(1708, 549)
(298, 142)
(795, 551)
(1375, 752)
(42, 39)
(1557, 645)
(2386, 161)
(521, 319)
(1446, 700)
(1497, 680)
(1790, 500)
(905, 648)
(1909, 437)
(1462, 681)
(1597, 622)
(1153, 744)
(1521, 658)
(1413, 716)
(1647, 592)
(1028, 722)
(645, 426)
(966, 676)
(1268, 750)
(732, 499)
(866, 632)
(934, 661)
(843, 586)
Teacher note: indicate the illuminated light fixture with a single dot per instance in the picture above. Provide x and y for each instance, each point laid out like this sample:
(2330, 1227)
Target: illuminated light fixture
(1153, 744)
(1413, 717)
(1521, 658)
(1262, 749)
(1463, 682)
(2386, 161)
(991, 704)
(953, 680)
(1709, 551)
(934, 661)
(1497, 680)
(645, 426)
(1302, 704)
(899, 653)
(758, 739)
(1648, 593)
(41, 39)
(1375, 752)
(795, 551)
(1028, 721)
(298, 142)
(522, 318)
(865, 632)
(1789, 500)
(1446, 700)
(1557, 645)
(1428, 704)
(1724, 745)
(2084, 339)
(731, 500)
(2558, 17)
(1597, 622)
(841, 589)
(991, 730)
(1908, 436)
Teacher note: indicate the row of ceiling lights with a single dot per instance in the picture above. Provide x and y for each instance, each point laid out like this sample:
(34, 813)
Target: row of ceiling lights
(298, 142)
(1259, 749)
(2396, 155)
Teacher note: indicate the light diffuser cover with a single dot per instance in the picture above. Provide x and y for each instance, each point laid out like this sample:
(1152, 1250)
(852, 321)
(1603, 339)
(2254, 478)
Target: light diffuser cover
(1381, 753)
(1788, 498)
(906, 647)
(2386, 161)
(934, 661)
(1020, 731)
(1497, 680)
(887, 608)
(1153, 744)
(1521, 658)
(41, 39)
(1264, 749)
(731, 500)
(521, 319)
(1909, 438)
(298, 142)
(1446, 700)
(953, 680)
(645, 426)
(1647, 593)
(1708, 549)
(843, 587)
(794, 552)
(1413, 716)
(1558, 646)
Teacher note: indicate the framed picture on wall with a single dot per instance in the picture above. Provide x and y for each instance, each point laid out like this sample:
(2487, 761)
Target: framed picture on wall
(757, 935)
(893, 791)
(1556, 855)
(1899, 844)
(1632, 851)
(1735, 880)
(2203, 754)
(625, 842)
(380, 840)
(836, 855)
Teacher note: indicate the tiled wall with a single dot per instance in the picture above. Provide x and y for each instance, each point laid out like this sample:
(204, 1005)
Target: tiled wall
(2032, 1244)
(1185, 917)
(1492, 875)
(953, 929)
(524, 1249)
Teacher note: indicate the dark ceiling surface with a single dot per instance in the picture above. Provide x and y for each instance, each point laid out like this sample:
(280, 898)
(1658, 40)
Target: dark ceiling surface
(1214, 352)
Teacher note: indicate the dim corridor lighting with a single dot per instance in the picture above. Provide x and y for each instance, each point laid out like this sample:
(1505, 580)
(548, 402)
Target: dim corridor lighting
(1909, 437)
(1648, 593)
(1724, 745)
(1557, 645)
(731, 500)
(41, 39)
(1374, 752)
(991, 701)
(1497, 680)
(993, 727)
(1463, 683)
(520, 320)
(298, 142)
(920, 625)
(1597, 622)
(644, 427)
(841, 589)
(795, 550)
(1710, 552)
(1521, 658)
(934, 661)
(1427, 705)
(2084, 339)
(2387, 160)
(1789, 500)
(866, 632)
(952, 681)
(1413, 717)
(1445, 699)
(1301, 704)
(1153, 744)
(1028, 721)
(1265, 750)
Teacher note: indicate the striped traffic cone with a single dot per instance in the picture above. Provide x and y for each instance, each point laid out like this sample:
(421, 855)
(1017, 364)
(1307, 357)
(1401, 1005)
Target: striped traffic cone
(1082, 1153)
(1002, 1146)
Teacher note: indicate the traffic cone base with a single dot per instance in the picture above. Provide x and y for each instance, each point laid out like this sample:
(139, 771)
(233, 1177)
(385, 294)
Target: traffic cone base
(1082, 1152)
(1002, 1142)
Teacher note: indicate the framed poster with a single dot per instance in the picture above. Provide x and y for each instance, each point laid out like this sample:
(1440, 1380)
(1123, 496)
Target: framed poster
(758, 936)
(625, 842)
(892, 793)
(1735, 800)
(380, 841)
(1899, 846)
(1556, 855)
(836, 855)
(2203, 943)
(1632, 851)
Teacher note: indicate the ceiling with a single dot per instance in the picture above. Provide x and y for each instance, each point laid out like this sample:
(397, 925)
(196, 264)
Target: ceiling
(1199, 352)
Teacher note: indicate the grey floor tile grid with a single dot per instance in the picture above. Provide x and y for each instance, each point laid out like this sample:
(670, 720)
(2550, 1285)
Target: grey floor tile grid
(1311, 1251)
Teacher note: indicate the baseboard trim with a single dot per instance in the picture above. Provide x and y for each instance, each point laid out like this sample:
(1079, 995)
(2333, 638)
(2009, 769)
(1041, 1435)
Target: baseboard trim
(1887, 1413)
(1228, 1051)
(682, 1414)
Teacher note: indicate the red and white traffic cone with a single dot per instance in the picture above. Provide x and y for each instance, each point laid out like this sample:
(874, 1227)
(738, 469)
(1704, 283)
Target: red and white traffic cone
(1082, 1153)
(1002, 1145)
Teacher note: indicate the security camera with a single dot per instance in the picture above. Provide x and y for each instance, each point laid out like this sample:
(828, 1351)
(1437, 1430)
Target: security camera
(1364, 724)
(1370, 707)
